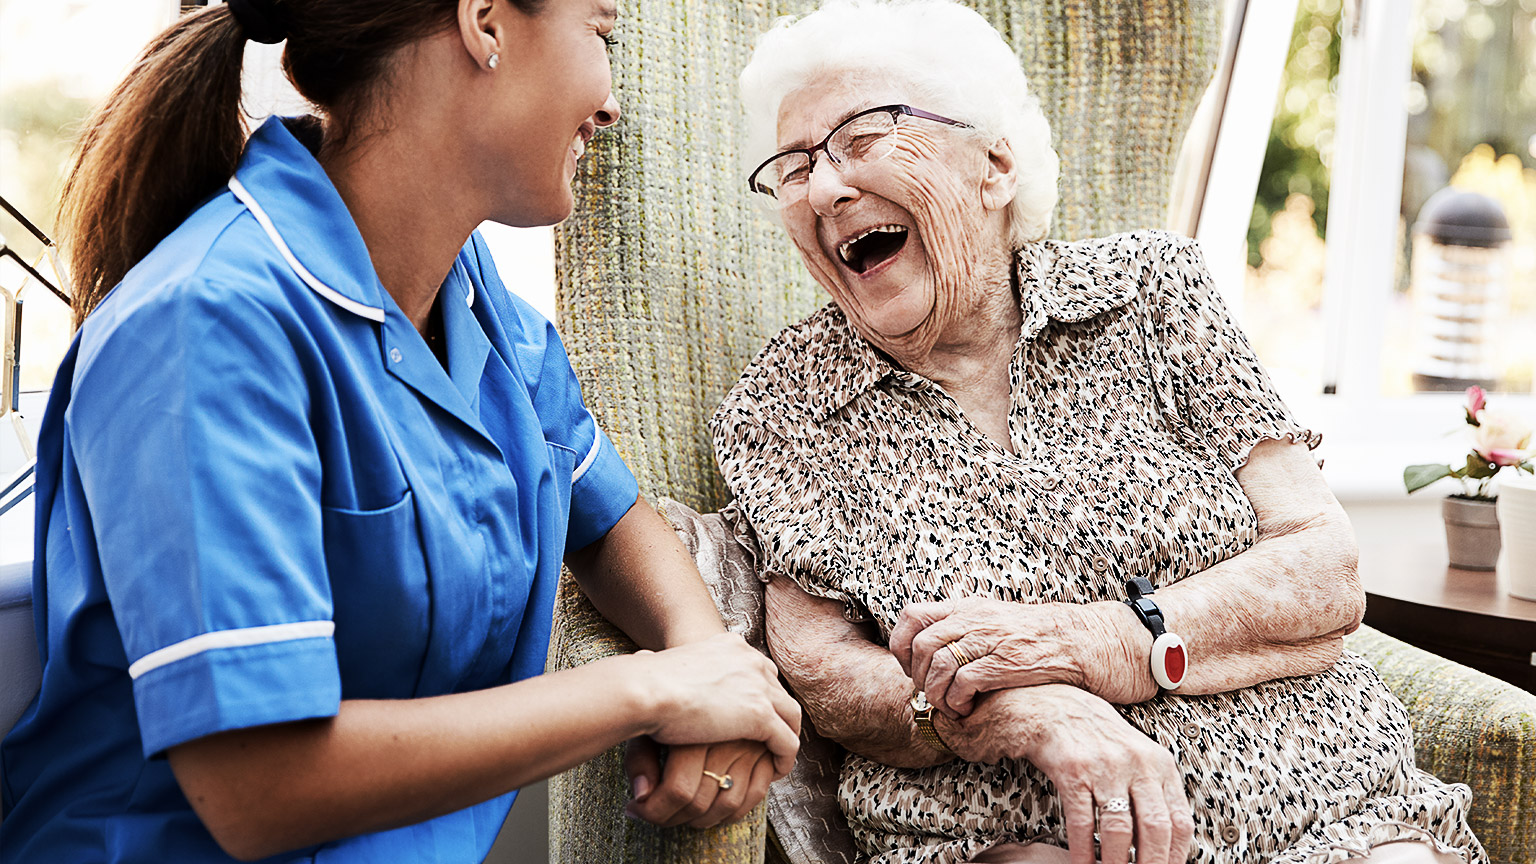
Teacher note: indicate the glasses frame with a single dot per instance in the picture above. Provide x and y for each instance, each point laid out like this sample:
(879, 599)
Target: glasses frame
(896, 112)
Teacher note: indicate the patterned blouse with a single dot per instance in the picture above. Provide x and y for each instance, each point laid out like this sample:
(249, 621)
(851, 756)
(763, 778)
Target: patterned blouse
(1135, 399)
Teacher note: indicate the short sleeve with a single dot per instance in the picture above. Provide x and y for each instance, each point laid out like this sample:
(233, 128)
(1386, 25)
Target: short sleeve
(602, 486)
(1225, 401)
(788, 506)
(188, 427)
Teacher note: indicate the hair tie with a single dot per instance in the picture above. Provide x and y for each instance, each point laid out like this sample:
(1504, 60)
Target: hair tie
(261, 20)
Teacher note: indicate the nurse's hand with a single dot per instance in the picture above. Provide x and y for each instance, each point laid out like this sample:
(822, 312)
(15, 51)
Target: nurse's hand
(715, 690)
(673, 789)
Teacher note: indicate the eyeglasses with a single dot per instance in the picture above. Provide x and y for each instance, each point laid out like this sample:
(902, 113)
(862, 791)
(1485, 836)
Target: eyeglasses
(867, 136)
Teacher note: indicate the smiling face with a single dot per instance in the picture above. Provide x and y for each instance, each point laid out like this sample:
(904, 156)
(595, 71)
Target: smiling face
(553, 92)
(904, 242)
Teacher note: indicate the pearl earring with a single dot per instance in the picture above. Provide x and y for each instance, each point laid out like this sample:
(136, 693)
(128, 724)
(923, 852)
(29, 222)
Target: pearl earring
(493, 60)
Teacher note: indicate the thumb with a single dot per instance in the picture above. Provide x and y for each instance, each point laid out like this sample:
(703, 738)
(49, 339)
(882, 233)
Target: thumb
(642, 765)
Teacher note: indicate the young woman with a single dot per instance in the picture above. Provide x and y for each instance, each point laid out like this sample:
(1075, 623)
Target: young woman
(309, 471)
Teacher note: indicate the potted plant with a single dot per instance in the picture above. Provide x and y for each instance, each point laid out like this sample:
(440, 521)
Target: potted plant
(1499, 440)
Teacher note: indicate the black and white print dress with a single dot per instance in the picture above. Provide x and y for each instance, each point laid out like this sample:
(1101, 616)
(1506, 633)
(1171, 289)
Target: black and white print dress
(1135, 401)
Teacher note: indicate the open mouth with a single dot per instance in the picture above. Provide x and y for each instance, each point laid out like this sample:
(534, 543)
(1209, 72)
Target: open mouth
(872, 248)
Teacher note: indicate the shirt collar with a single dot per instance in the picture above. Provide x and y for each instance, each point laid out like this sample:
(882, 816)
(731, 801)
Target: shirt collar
(282, 184)
(1065, 282)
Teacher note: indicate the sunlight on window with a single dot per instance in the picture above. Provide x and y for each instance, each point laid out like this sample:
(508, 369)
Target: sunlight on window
(1471, 108)
(57, 59)
(1282, 295)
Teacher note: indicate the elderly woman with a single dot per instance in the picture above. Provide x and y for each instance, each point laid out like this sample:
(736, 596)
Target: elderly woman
(964, 468)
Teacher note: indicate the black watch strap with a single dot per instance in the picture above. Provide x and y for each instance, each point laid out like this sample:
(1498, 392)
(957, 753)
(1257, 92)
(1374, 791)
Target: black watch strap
(1169, 658)
(1139, 590)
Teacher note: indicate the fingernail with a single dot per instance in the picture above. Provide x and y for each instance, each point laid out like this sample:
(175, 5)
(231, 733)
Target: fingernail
(640, 787)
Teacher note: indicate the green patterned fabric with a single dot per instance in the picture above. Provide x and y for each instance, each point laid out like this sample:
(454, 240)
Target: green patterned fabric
(1468, 728)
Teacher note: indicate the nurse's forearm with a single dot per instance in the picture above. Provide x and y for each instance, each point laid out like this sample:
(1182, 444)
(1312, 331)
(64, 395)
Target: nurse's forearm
(382, 764)
(640, 577)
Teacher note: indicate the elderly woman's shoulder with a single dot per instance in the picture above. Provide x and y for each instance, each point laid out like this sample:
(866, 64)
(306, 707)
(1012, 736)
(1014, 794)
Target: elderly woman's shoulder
(1146, 244)
(799, 367)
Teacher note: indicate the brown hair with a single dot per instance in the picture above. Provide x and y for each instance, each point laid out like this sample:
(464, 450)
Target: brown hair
(172, 131)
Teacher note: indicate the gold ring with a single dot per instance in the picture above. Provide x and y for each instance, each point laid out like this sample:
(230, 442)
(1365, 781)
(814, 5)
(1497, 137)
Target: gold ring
(724, 780)
(961, 658)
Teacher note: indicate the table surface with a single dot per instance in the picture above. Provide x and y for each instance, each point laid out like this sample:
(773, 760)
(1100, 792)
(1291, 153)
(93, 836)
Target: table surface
(1413, 569)
(1465, 615)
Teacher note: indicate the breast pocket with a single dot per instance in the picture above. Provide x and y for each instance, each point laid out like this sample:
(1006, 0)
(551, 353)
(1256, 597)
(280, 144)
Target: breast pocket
(379, 589)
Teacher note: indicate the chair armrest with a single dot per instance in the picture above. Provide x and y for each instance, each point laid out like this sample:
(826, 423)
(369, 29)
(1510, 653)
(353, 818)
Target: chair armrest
(1468, 728)
(587, 824)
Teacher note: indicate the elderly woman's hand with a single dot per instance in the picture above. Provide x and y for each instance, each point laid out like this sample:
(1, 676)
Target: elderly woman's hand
(1093, 756)
(955, 650)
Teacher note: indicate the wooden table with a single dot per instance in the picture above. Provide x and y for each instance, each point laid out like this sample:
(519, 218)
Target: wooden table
(1463, 615)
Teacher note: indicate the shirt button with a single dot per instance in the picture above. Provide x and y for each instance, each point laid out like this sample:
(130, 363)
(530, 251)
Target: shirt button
(1100, 564)
(1049, 482)
(395, 355)
(1190, 731)
(1231, 833)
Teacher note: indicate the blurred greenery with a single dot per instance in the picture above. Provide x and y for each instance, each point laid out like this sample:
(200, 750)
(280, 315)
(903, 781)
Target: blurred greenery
(1300, 142)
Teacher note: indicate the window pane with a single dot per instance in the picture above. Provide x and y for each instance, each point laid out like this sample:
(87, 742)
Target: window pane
(57, 59)
(1283, 292)
(1464, 308)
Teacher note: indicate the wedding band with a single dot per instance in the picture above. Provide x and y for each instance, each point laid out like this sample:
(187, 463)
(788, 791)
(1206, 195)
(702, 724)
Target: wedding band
(724, 780)
(1116, 805)
(961, 658)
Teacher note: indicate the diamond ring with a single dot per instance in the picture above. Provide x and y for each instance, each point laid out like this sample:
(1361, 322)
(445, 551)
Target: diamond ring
(1116, 805)
(723, 780)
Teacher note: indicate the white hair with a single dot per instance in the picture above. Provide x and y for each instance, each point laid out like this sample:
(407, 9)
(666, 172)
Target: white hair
(958, 64)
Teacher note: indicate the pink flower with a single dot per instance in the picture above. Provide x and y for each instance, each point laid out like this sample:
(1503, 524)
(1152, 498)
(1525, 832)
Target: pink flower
(1501, 438)
(1476, 399)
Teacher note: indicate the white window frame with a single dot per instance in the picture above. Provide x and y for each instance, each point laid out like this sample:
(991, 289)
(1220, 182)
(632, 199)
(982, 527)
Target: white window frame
(1370, 437)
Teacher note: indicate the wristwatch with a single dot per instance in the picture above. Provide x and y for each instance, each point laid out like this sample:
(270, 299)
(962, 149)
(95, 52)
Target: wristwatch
(922, 715)
(1170, 661)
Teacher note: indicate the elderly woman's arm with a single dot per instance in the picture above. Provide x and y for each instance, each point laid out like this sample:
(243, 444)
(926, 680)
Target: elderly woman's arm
(856, 694)
(1279, 609)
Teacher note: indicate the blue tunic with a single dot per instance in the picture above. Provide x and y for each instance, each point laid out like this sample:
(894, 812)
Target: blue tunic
(260, 493)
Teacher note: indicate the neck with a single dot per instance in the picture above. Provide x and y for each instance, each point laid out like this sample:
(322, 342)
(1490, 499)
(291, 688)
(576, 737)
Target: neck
(974, 350)
(410, 205)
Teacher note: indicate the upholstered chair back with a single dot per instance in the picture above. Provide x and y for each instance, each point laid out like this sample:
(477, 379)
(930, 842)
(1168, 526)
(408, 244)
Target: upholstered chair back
(670, 279)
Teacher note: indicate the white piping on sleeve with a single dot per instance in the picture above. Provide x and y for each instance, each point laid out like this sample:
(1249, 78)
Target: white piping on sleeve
(597, 444)
(239, 638)
(370, 312)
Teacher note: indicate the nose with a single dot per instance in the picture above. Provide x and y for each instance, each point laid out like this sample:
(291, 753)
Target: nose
(827, 192)
(608, 114)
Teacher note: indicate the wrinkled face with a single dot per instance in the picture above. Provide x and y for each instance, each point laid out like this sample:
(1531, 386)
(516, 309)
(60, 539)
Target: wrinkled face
(898, 241)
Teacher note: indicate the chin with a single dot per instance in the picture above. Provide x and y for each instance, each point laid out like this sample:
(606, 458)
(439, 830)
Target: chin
(526, 214)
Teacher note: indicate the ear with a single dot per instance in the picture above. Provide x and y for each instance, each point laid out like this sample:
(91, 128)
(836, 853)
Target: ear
(481, 31)
(1002, 176)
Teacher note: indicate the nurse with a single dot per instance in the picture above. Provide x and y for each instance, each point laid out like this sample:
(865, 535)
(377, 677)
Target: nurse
(309, 472)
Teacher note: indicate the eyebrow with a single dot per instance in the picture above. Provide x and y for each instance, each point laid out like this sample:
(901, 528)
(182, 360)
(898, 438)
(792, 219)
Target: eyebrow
(802, 144)
(609, 11)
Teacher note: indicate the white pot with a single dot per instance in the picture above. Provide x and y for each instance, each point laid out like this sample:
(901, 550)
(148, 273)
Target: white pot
(1517, 530)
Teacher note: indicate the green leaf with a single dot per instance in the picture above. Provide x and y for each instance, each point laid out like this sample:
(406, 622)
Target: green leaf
(1416, 477)
(1479, 468)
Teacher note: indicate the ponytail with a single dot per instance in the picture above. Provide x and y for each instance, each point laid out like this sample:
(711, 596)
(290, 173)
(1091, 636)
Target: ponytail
(166, 138)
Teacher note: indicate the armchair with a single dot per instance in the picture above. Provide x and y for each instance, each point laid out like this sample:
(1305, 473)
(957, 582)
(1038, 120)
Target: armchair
(669, 283)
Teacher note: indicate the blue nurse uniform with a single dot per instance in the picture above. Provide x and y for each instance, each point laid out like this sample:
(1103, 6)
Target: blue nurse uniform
(260, 493)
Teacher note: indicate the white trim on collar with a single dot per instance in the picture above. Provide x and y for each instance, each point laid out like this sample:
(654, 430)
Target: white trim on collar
(370, 312)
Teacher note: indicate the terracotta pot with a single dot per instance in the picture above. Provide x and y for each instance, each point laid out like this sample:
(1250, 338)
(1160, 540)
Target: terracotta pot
(1471, 532)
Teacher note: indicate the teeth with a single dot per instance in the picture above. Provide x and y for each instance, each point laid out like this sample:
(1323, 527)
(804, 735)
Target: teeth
(847, 245)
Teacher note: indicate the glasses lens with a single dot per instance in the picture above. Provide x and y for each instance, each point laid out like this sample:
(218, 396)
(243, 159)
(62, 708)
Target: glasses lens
(786, 170)
(865, 138)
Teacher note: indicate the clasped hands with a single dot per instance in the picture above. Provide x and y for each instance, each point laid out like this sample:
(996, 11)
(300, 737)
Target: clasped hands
(1035, 682)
